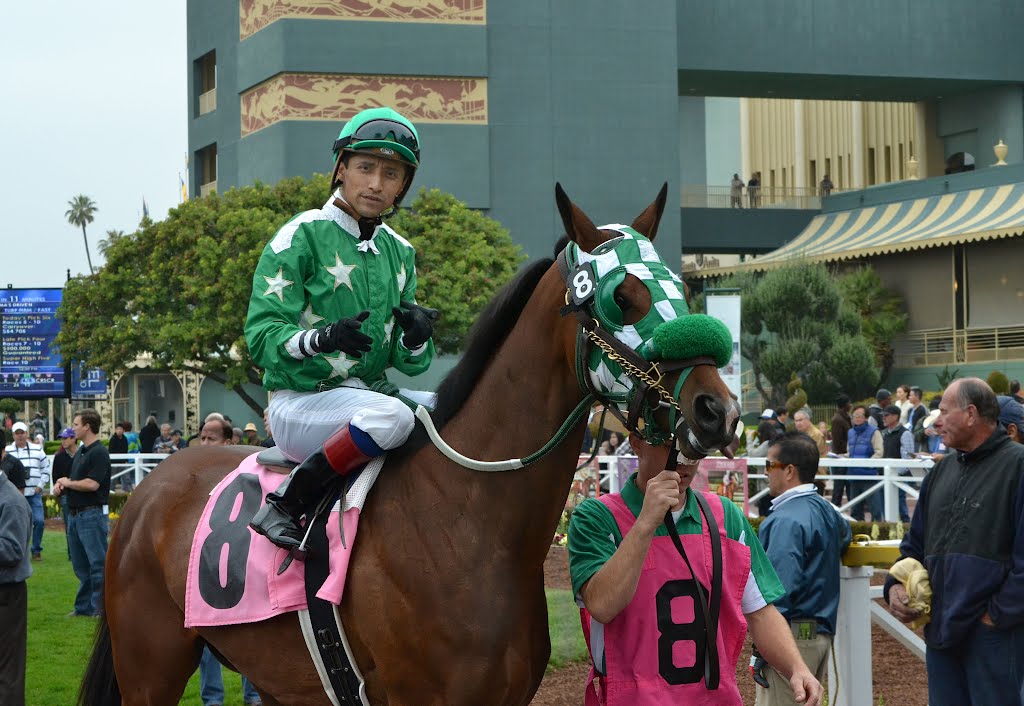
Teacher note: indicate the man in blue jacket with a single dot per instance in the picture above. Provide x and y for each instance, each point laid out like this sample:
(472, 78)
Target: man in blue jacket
(968, 531)
(804, 538)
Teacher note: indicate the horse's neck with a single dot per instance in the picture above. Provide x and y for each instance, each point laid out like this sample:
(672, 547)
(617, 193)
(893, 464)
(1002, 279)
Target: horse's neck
(521, 400)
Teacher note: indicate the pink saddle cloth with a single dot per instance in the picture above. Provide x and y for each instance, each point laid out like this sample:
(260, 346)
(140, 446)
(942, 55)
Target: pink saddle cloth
(232, 571)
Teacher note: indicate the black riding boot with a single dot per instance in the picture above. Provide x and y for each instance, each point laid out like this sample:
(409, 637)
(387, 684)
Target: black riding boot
(278, 519)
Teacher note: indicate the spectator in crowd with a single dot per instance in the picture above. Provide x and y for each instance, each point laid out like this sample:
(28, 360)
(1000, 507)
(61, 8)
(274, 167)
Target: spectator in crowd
(1011, 416)
(825, 187)
(766, 432)
(840, 430)
(217, 432)
(269, 442)
(934, 448)
(134, 444)
(1015, 391)
(736, 192)
(13, 469)
(967, 534)
(864, 441)
(252, 435)
(897, 442)
(209, 418)
(804, 538)
(15, 532)
(622, 584)
(754, 189)
(236, 436)
(88, 491)
(781, 420)
(39, 425)
(917, 409)
(62, 461)
(728, 487)
(903, 402)
(802, 423)
(164, 444)
(118, 443)
(883, 398)
(149, 434)
(37, 474)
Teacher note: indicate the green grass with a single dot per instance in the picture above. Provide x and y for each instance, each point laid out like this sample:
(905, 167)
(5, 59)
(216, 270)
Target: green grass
(59, 647)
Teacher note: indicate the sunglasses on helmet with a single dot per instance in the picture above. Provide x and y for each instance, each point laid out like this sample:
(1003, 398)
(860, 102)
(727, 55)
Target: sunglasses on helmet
(381, 131)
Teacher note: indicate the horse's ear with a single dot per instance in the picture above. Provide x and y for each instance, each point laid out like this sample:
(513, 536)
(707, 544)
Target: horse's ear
(647, 222)
(580, 229)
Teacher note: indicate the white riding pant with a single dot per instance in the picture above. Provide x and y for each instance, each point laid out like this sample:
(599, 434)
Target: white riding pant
(302, 421)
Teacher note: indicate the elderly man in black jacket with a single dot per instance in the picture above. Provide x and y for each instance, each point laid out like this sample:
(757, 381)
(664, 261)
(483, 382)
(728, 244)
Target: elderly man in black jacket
(968, 531)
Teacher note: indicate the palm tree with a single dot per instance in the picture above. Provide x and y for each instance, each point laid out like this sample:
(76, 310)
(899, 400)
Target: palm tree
(80, 214)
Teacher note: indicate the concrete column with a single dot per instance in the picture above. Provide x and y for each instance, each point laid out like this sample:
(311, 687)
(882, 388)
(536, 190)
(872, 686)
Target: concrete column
(921, 138)
(799, 146)
(745, 167)
(853, 639)
(857, 156)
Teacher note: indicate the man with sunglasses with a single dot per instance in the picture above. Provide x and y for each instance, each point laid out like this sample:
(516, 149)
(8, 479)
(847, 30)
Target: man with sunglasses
(804, 538)
(333, 306)
(641, 606)
(968, 532)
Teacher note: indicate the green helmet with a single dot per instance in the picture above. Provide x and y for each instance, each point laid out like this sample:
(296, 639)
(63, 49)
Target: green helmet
(384, 130)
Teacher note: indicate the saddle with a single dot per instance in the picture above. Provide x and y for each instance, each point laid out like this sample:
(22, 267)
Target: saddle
(273, 460)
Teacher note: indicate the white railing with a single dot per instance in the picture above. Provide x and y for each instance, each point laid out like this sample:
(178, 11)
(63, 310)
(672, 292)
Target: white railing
(947, 346)
(130, 466)
(208, 102)
(889, 483)
(208, 188)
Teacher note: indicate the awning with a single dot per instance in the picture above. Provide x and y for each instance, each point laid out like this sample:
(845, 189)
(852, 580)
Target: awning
(959, 217)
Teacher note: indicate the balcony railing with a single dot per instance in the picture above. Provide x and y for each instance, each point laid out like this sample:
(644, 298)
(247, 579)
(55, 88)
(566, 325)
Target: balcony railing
(946, 346)
(208, 188)
(208, 102)
(704, 196)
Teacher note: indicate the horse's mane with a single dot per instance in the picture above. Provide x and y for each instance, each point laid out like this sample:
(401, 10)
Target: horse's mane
(483, 340)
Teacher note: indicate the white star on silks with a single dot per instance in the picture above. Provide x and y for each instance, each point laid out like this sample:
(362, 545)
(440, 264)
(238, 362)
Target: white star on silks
(401, 277)
(276, 284)
(308, 318)
(341, 272)
(340, 365)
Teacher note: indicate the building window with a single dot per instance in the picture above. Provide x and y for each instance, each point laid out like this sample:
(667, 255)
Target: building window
(871, 166)
(206, 162)
(841, 175)
(888, 164)
(206, 83)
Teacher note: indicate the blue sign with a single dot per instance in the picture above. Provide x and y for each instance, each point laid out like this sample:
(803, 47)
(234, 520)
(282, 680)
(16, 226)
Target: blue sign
(29, 363)
(87, 384)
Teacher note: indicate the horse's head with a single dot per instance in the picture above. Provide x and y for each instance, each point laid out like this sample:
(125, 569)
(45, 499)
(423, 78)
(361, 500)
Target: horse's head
(640, 351)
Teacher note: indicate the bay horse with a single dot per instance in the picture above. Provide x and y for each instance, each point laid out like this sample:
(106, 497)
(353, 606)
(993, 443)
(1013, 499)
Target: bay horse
(444, 601)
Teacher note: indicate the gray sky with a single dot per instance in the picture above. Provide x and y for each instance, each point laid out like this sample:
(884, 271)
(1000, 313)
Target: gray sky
(95, 104)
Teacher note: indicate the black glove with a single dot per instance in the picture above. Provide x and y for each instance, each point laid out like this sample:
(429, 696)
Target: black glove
(344, 335)
(417, 322)
(757, 667)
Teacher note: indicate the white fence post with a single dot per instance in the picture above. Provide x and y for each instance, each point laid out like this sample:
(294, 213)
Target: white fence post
(852, 645)
(890, 495)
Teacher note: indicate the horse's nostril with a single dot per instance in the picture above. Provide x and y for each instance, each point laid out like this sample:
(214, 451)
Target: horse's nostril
(709, 413)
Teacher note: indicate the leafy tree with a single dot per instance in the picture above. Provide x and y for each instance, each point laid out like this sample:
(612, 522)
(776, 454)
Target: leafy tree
(881, 313)
(179, 289)
(80, 213)
(10, 406)
(794, 322)
(462, 258)
(999, 383)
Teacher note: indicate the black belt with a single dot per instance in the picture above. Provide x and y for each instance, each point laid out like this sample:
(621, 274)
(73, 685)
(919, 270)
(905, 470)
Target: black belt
(77, 510)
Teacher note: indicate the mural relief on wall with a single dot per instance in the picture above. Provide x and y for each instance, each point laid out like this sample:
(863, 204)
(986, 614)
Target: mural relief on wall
(254, 15)
(337, 98)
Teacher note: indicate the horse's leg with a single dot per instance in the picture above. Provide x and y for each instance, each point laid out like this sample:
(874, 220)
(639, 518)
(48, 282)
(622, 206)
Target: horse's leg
(154, 654)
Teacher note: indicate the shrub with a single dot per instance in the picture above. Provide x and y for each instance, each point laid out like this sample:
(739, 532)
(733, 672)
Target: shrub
(999, 383)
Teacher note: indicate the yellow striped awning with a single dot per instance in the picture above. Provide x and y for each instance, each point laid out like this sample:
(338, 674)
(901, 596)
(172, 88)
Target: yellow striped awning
(958, 217)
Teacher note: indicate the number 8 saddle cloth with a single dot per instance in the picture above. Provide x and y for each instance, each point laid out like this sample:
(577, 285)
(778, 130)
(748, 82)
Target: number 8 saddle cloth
(232, 571)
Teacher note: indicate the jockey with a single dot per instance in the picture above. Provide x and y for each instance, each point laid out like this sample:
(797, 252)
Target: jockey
(328, 292)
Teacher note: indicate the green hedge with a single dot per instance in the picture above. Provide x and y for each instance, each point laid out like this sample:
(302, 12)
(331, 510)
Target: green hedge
(51, 505)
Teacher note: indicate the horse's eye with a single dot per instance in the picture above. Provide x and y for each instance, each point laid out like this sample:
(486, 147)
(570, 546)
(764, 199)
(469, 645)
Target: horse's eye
(622, 302)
